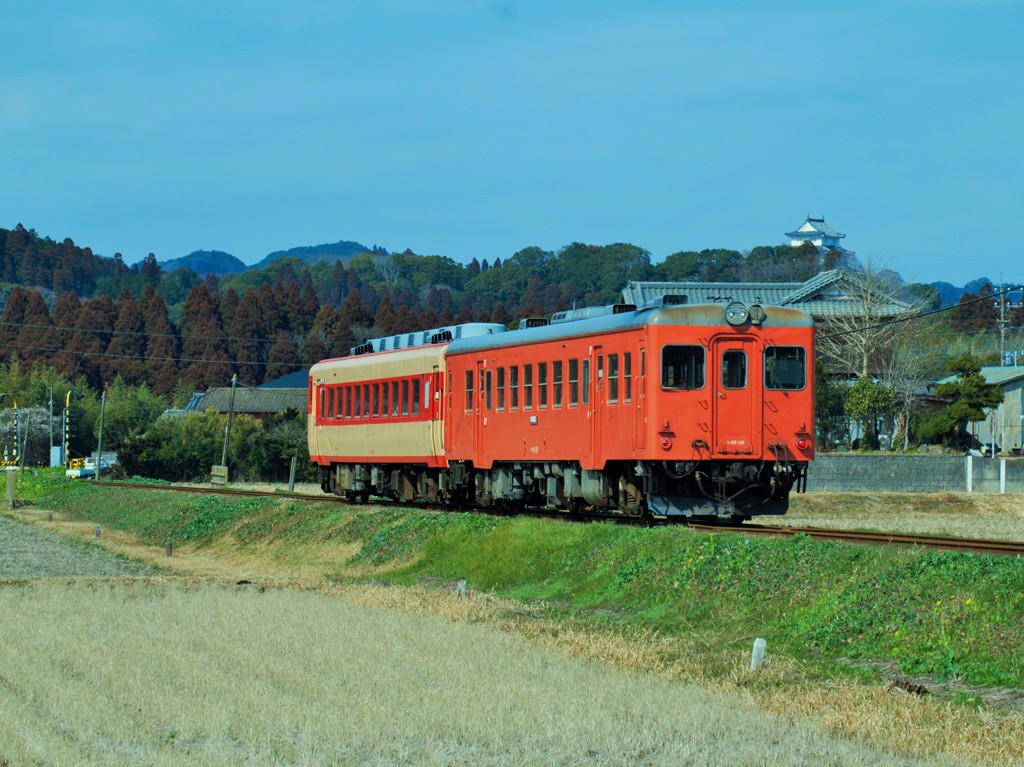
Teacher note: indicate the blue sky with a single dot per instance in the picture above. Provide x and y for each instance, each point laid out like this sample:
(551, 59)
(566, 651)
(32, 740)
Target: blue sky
(475, 128)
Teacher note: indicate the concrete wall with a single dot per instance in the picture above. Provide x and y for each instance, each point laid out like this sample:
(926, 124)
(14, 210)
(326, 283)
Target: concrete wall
(852, 473)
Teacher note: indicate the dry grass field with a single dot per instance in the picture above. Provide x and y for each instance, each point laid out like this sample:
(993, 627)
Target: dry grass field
(191, 669)
(165, 673)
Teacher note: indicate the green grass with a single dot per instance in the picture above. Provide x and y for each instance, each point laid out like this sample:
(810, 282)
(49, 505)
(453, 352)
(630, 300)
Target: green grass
(948, 614)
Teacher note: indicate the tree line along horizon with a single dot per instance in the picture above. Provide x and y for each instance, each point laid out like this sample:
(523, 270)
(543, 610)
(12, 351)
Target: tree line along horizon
(94, 320)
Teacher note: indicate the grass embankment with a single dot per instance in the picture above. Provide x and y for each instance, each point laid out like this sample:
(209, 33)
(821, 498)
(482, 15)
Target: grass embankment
(948, 615)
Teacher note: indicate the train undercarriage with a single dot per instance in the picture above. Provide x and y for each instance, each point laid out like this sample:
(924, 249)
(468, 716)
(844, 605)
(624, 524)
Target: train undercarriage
(734, 490)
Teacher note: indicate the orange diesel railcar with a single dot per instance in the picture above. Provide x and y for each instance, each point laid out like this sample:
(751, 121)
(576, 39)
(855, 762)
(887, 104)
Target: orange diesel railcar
(696, 410)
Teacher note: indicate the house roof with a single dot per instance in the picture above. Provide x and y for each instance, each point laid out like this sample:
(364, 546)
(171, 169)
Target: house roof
(254, 400)
(297, 380)
(999, 376)
(829, 294)
(814, 226)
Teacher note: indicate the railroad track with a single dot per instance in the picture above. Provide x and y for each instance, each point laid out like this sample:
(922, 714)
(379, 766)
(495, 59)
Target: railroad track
(974, 545)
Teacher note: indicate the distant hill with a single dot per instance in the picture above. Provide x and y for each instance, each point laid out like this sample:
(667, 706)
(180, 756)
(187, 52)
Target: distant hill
(313, 254)
(204, 262)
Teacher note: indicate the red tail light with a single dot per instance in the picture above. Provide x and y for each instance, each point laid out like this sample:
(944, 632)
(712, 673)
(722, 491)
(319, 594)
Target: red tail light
(803, 443)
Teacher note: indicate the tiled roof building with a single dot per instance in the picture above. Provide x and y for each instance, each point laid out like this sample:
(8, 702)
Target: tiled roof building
(835, 293)
(817, 232)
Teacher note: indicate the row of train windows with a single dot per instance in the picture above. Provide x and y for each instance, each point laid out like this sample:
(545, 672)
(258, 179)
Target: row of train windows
(504, 387)
(682, 367)
(383, 399)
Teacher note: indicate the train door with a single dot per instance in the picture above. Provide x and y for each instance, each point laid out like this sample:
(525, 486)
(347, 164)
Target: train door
(640, 398)
(734, 375)
(596, 411)
(481, 406)
(435, 411)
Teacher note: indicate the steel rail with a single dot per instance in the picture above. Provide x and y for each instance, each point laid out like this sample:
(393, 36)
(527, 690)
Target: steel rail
(975, 545)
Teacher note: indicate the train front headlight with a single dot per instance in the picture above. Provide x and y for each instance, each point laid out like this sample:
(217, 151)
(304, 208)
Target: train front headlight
(736, 313)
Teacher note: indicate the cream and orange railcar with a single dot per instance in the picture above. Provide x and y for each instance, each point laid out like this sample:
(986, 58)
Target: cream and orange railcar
(692, 410)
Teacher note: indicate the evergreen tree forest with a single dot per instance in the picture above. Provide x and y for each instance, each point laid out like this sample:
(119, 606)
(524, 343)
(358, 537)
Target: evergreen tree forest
(94, 318)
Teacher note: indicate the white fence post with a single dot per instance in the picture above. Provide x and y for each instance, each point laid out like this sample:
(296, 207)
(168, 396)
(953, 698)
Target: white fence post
(970, 473)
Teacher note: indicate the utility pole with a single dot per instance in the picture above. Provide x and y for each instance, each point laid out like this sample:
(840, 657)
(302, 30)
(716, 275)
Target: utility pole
(231, 412)
(1002, 322)
(99, 447)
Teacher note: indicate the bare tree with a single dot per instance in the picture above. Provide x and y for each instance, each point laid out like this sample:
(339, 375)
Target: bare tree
(861, 339)
(907, 366)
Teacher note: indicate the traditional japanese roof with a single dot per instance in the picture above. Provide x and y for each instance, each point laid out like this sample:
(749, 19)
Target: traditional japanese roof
(814, 226)
(255, 401)
(297, 380)
(830, 294)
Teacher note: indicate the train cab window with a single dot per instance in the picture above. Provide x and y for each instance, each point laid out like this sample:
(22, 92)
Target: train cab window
(487, 389)
(501, 388)
(384, 409)
(627, 375)
(513, 387)
(415, 398)
(542, 385)
(574, 383)
(734, 369)
(556, 383)
(586, 382)
(405, 397)
(682, 367)
(527, 387)
(785, 367)
(469, 391)
(613, 378)
(366, 400)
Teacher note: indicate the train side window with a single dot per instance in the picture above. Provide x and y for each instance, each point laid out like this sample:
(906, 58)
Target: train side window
(542, 385)
(323, 403)
(682, 367)
(586, 382)
(785, 367)
(331, 405)
(426, 395)
(366, 400)
(348, 403)
(359, 406)
(487, 388)
(376, 400)
(469, 391)
(405, 397)
(627, 375)
(384, 407)
(574, 383)
(556, 382)
(513, 386)
(415, 398)
(527, 387)
(501, 388)
(734, 369)
(613, 378)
